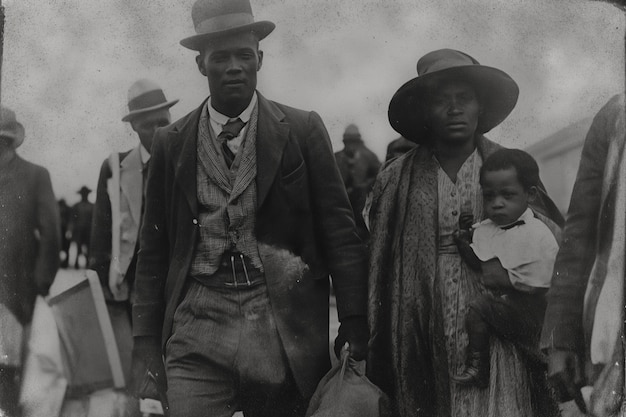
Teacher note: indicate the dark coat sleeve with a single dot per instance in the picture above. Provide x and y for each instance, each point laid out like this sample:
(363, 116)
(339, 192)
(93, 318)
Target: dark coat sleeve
(49, 228)
(343, 250)
(563, 320)
(100, 244)
(153, 255)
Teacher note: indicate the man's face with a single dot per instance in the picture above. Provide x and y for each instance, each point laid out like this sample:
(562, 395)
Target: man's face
(453, 111)
(230, 64)
(504, 197)
(147, 123)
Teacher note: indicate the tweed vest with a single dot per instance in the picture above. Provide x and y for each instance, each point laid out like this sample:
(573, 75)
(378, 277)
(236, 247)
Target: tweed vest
(226, 199)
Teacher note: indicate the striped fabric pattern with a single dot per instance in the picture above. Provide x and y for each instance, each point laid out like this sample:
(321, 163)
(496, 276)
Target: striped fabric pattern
(226, 199)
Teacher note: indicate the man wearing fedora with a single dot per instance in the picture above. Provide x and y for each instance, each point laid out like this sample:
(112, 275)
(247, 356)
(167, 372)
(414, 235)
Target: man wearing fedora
(80, 225)
(246, 216)
(29, 250)
(118, 210)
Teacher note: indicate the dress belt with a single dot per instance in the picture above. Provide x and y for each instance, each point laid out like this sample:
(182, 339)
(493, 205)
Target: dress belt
(447, 245)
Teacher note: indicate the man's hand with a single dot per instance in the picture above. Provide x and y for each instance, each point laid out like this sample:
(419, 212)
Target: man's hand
(565, 375)
(148, 370)
(354, 331)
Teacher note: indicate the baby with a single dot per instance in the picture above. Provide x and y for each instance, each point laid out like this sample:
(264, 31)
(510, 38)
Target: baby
(515, 251)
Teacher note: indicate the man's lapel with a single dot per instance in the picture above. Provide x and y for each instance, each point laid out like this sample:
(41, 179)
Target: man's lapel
(131, 182)
(185, 157)
(272, 136)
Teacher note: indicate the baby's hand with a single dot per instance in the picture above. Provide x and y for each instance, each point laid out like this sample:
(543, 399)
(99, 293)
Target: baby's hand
(466, 220)
(462, 236)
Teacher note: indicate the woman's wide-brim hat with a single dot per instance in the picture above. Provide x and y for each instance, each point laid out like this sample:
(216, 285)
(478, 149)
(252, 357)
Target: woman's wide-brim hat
(10, 128)
(498, 92)
(145, 96)
(217, 18)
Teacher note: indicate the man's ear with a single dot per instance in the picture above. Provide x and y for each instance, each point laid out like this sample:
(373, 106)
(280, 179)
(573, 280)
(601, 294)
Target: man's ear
(200, 63)
(258, 67)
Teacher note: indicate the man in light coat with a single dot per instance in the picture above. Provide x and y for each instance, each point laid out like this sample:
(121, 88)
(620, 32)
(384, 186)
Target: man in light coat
(118, 210)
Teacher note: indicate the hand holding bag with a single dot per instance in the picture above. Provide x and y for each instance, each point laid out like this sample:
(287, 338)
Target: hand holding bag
(345, 391)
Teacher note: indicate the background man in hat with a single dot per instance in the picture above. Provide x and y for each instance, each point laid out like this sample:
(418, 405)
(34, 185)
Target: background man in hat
(245, 218)
(358, 166)
(80, 225)
(118, 210)
(29, 250)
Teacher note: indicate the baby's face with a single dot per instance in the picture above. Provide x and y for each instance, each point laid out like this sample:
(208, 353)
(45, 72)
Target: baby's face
(504, 197)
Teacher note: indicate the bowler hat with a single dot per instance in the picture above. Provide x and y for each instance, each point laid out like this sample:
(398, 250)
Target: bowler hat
(497, 91)
(10, 128)
(215, 18)
(146, 96)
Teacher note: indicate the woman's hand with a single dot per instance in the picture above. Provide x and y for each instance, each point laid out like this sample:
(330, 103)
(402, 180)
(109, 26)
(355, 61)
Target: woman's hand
(495, 276)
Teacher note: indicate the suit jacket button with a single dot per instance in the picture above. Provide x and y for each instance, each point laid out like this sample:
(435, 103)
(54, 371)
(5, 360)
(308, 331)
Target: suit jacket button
(195, 221)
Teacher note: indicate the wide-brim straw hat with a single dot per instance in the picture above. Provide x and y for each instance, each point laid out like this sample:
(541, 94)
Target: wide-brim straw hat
(217, 18)
(497, 90)
(10, 128)
(145, 96)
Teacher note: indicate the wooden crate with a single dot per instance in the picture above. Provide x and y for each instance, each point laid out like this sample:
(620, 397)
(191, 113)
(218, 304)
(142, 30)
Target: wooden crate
(89, 349)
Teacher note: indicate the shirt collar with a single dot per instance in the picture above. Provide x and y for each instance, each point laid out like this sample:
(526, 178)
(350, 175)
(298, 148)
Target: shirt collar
(145, 155)
(221, 119)
(527, 216)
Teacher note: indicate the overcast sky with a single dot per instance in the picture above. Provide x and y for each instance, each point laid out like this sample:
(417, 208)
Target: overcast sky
(68, 65)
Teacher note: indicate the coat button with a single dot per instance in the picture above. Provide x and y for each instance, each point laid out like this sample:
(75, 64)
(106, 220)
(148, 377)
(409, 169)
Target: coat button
(454, 212)
(195, 221)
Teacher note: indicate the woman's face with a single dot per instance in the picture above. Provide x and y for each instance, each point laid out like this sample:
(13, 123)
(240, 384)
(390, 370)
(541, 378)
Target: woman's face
(453, 111)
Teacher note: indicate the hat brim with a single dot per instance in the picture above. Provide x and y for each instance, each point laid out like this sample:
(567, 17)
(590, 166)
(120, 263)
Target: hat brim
(130, 116)
(261, 29)
(499, 93)
(16, 135)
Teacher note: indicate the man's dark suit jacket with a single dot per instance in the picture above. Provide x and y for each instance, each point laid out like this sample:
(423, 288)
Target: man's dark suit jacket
(302, 211)
(30, 238)
(587, 232)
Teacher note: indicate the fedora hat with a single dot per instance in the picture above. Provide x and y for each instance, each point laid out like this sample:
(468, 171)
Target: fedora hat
(146, 96)
(10, 128)
(497, 91)
(215, 18)
(84, 190)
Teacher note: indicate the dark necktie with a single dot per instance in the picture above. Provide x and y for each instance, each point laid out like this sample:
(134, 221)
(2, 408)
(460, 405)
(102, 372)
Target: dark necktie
(512, 225)
(230, 131)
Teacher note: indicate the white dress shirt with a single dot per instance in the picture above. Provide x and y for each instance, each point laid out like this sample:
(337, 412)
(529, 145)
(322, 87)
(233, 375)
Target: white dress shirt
(217, 121)
(526, 251)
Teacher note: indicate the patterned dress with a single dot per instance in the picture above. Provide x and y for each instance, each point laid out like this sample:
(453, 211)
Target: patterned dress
(455, 286)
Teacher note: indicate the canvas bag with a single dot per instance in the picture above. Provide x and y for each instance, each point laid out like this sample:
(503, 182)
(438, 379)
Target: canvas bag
(345, 391)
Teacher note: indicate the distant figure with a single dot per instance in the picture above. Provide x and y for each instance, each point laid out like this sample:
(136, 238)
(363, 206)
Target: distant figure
(118, 214)
(65, 214)
(358, 166)
(29, 251)
(80, 224)
(398, 147)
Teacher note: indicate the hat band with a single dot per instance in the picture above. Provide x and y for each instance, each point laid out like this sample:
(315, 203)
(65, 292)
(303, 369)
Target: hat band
(145, 100)
(224, 22)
